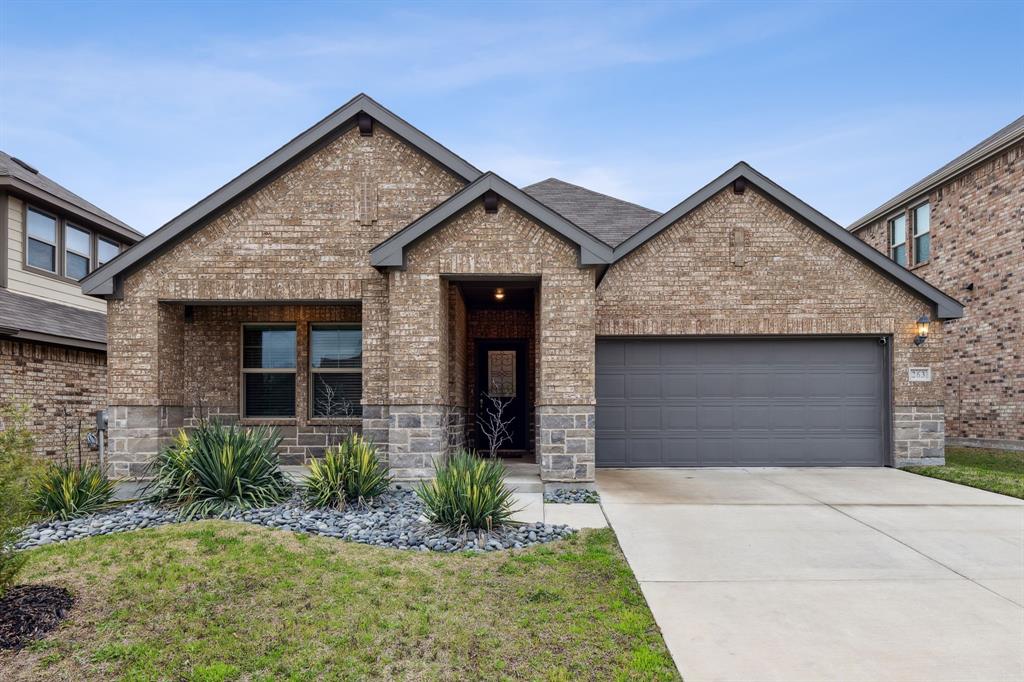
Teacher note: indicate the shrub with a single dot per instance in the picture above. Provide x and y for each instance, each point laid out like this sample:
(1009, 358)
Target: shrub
(217, 469)
(17, 469)
(65, 491)
(468, 493)
(349, 472)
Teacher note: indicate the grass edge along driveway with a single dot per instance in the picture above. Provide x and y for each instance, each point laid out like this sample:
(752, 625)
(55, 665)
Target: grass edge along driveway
(998, 471)
(215, 600)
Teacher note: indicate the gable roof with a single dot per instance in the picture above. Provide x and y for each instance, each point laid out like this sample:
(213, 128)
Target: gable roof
(102, 281)
(987, 148)
(946, 306)
(33, 319)
(391, 252)
(20, 177)
(609, 219)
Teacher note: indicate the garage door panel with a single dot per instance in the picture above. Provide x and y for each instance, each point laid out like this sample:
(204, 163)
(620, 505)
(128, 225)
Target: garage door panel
(740, 402)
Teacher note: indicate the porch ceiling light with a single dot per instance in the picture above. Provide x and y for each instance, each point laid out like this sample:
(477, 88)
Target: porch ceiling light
(499, 294)
(922, 330)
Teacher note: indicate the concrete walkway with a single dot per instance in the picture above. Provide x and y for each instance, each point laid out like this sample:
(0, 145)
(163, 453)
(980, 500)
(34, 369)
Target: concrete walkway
(825, 574)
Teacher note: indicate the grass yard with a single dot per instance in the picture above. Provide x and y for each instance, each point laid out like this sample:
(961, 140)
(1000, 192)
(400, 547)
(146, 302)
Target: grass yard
(214, 600)
(1000, 471)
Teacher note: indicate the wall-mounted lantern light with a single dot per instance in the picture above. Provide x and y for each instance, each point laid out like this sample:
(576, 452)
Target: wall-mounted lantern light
(499, 294)
(922, 330)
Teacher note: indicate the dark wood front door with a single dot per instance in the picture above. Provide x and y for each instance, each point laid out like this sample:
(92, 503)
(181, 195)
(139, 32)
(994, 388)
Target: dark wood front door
(501, 375)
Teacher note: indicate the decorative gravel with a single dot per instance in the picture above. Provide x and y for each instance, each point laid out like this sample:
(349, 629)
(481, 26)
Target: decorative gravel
(395, 520)
(572, 496)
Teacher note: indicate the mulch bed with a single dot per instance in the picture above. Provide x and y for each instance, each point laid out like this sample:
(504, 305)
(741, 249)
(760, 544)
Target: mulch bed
(28, 612)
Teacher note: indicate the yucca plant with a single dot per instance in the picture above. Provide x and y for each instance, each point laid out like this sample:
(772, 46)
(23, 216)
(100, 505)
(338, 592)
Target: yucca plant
(468, 492)
(217, 469)
(350, 472)
(66, 491)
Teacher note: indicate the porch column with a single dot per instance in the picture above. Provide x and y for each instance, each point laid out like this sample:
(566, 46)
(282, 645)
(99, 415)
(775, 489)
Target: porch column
(418, 371)
(145, 382)
(565, 401)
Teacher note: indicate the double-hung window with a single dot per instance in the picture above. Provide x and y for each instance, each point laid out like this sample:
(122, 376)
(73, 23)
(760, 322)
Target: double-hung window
(922, 233)
(42, 240)
(335, 371)
(268, 371)
(898, 239)
(77, 251)
(106, 250)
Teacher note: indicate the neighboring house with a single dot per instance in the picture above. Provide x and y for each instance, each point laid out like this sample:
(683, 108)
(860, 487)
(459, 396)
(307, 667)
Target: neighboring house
(365, 277)
(962, 229)
(52, 336)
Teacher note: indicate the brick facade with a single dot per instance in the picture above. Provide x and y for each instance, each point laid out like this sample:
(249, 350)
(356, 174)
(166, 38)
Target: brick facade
(977, 238)
(741, 265)
(49, 379)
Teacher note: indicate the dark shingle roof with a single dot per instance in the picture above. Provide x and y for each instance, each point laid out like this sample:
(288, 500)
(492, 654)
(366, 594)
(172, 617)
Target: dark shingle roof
(34, 315)
(609, 219)
(10, 167)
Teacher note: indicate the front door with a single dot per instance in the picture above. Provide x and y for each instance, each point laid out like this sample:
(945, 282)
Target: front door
(501, 393)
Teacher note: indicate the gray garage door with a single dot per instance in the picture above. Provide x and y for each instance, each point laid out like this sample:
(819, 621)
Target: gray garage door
(740, 402)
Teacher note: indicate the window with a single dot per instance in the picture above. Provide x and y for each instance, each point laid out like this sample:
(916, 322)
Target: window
(106, 250)
(268, 371)
(77, 251)
(335, 371)
(898, 239)
(42, 240)
(922, 233)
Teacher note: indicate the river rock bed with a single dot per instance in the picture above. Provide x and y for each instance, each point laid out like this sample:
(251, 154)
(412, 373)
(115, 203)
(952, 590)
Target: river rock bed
(572, 496)
(393, 520)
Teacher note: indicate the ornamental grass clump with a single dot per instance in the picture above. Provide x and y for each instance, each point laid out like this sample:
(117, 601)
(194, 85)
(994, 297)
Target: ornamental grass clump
(349, 473)
(67, 491)
(468, 492)
(215, 470)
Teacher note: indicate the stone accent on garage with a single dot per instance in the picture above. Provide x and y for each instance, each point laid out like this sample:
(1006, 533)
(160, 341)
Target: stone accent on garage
(565, 442)
(417, 439)
(920, 436)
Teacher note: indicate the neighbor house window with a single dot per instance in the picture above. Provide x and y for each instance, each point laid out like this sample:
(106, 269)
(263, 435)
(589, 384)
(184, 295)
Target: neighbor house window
(335, 371)
(268, 370)
(922, 233)
(42, 240)
(77, 251)
(898, 239)
(106, 250)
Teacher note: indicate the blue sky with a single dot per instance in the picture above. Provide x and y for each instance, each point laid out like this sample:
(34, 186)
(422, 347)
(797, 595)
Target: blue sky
(146, 108)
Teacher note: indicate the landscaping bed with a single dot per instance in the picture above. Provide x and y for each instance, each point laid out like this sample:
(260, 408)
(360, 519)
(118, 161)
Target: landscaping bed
(998, 471)
(393, 520)
(215, 600)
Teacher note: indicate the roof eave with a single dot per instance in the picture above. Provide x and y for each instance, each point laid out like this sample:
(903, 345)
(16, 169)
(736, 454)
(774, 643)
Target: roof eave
(25, 189)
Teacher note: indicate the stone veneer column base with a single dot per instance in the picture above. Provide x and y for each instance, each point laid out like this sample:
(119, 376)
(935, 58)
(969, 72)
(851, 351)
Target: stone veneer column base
(376, 429)
(919, 436)
(417, 438)
(135, 434)
(456, 428)
(565, 442)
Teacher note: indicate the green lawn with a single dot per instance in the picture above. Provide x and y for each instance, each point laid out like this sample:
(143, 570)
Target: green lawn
(215, 600)
(1000, 471)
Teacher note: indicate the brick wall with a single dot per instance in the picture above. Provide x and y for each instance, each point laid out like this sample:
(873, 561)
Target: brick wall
(977, 237)
(741, 265)
(48, 379)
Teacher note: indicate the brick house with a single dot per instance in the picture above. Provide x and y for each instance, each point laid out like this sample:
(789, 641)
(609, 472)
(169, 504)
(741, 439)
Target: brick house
(365, 277)
(962, 229)
(52, 336)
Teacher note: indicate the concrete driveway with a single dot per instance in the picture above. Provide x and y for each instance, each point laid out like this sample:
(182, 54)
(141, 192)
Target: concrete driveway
(825, 574)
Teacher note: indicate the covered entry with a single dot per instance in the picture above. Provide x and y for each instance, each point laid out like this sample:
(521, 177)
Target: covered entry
(817, 401)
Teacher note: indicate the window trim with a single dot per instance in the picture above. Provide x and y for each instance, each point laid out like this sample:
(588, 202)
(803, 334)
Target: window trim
(912, 211)
(60, 257)
(56, 244)
(891, 246)
(112, 242)
(91, 236)
(243, 370)
(312, 372)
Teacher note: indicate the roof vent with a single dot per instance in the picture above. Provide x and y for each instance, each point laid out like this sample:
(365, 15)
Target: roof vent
(739, 186)
(365, 124)
(30, 169)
